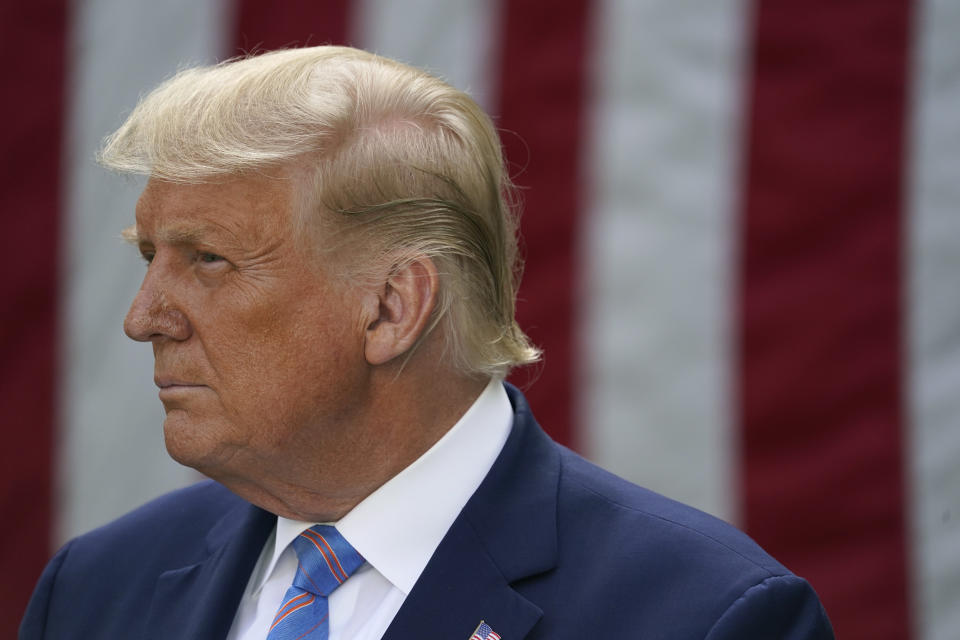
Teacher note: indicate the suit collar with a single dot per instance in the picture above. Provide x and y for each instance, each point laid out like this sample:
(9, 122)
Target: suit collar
(200, 600)
(515, 508)
(505, 533)
(429, 494)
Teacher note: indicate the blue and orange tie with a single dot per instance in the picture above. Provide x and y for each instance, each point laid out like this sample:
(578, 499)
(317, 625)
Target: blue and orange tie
(326, 561)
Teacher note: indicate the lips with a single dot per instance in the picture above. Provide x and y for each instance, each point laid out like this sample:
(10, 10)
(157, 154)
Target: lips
(165, 382)
(175, 391)
(171, 383)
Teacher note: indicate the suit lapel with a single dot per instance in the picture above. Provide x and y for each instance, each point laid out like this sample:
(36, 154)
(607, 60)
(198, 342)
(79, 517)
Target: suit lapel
(200, 600)
(506, 532)
(461, 587)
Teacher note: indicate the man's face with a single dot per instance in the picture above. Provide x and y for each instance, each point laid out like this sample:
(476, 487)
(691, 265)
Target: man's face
(259, 355)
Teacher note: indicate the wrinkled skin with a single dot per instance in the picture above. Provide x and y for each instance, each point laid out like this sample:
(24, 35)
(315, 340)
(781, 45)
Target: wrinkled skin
(262, 358)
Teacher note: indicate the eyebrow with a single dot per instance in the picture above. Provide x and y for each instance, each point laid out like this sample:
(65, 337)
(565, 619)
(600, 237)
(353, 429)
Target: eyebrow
(175, 236)
(129, 235)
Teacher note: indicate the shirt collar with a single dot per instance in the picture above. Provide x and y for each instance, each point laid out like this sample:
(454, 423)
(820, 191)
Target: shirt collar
(397, 527)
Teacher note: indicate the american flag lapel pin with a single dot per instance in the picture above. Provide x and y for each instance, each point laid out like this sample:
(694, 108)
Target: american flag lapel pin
(484, 632)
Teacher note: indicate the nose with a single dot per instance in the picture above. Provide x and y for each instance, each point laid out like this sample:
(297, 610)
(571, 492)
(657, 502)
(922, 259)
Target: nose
(153, 315)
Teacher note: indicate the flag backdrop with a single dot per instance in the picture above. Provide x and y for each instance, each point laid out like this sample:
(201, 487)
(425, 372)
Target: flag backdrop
(742, 239)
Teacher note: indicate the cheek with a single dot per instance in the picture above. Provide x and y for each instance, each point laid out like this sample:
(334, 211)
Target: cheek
(289, 364)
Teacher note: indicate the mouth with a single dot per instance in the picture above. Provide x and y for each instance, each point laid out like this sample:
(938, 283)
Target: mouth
(167, 382)
(176, 389)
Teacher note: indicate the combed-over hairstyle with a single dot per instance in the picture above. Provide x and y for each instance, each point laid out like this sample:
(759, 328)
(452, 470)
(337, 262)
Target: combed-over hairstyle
(401, 165)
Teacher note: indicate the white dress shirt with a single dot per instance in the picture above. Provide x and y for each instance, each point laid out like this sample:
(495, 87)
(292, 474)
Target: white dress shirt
(396, 529)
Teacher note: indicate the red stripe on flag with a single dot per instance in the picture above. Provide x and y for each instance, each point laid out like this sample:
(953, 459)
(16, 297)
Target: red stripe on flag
(32, 113)
(821, 285)
(263, 25)
(543, 71)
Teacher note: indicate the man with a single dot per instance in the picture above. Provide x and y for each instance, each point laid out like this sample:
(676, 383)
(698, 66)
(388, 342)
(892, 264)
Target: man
(329, 295)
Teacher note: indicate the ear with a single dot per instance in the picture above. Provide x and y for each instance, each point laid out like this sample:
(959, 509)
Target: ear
(404, 307)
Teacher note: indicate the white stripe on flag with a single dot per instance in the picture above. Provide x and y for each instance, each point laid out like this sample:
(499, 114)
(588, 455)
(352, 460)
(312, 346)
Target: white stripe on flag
(933, 323)
(659, 238)
(111, 454)
(455, 39)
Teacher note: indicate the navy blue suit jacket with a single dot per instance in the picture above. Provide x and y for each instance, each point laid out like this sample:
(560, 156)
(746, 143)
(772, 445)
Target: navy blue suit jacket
(549, 547)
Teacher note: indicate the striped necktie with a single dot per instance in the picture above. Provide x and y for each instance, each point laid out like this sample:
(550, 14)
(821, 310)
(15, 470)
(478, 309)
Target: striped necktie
(326, 561)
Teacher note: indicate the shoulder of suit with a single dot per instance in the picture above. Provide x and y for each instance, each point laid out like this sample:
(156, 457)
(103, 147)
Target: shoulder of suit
(647, 520)
(200, 503)
(185, 514)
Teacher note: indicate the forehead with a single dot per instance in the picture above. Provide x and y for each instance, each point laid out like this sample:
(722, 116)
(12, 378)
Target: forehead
(247, 208)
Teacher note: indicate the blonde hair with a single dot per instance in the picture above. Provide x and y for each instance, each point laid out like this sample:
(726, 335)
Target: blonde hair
(407, 165)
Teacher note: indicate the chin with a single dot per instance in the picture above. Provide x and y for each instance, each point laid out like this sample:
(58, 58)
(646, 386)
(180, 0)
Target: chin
(193, 445)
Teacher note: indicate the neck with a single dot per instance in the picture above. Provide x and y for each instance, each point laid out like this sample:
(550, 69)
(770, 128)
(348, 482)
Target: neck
(408, 408)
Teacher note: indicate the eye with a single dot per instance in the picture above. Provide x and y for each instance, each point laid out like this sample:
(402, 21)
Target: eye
(147, 256)
(209, 258)
(210, 263)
